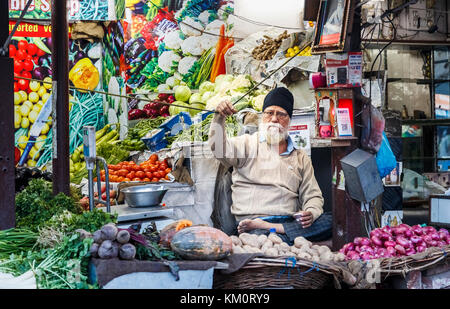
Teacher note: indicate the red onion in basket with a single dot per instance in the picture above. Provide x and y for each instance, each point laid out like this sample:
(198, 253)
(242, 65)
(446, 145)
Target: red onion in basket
(366, 256)
(435, 236)
(389, 243)
(442, 235)
(399, 230)
(385, 236)
(416, 239)
(366, 248)
(402, 241)
(409, 233)
(382, 252)
(400, 249)
(357, 249)
(442, 243)
(446, 232)
(421, 248)
(376, 233)
(391, 251)
(429, 230)
(387, 229)
(410, 251)
(352, 255)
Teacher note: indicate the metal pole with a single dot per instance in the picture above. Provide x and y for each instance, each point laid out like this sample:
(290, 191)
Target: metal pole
(7, 171)
(60, 39)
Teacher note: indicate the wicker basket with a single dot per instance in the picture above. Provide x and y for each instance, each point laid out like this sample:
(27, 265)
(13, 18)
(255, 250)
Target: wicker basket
(275, 275)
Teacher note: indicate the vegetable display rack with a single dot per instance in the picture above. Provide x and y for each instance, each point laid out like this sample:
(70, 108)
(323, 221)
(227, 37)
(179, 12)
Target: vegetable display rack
(282, 273)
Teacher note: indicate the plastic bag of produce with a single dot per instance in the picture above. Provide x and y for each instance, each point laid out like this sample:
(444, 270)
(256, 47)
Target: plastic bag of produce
(385, 158)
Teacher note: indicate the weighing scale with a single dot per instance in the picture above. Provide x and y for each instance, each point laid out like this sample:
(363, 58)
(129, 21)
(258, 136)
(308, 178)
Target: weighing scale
(178, 195)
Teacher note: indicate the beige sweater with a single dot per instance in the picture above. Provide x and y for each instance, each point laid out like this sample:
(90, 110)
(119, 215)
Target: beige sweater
(265, 183)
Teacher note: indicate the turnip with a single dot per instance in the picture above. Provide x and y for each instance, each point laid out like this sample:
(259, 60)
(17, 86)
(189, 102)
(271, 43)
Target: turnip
(109, 231)
(127, 252)
(94, 250)
(123, 236)
(97, 236)
(108, 250)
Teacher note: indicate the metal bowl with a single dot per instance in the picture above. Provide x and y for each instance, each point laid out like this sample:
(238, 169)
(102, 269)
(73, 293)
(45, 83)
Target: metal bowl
(144, 196)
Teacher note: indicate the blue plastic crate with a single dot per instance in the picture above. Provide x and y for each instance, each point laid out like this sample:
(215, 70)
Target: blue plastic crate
(186, 118)
(170, 122)
(159, 146)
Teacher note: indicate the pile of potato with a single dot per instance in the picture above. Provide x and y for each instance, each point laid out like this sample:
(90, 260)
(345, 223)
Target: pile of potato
(268, 47)
(110, 243)
(273, 246)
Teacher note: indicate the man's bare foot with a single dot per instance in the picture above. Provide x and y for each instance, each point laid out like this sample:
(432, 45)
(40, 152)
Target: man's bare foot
(252, 224)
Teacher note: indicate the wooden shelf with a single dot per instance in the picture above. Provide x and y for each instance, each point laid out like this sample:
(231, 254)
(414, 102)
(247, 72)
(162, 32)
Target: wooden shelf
(344, 141)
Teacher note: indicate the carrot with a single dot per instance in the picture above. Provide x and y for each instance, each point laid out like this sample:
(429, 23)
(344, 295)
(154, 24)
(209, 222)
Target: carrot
(220, 44)
(221, 66)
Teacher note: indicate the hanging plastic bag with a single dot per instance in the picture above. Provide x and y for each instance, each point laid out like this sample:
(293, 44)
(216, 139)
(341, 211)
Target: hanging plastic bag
(373, 128)
(385, 158)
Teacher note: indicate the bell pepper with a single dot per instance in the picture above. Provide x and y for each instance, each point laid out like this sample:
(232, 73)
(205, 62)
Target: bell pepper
(84, 75)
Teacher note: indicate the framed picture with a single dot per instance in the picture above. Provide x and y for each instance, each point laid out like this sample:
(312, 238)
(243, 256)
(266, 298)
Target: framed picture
(331, 26)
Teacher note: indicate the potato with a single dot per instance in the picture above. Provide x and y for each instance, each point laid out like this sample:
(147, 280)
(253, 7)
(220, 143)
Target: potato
(315, 258)
(275, 239)
(316, 247)
(267, 245)
(236, 241)
(238, 249)
(109, 231)
(323, 250)
(295, 250)
(285, 247)
(127, 252)
(304, 255)
(271, 252)
(327, 257)
(249, 239)
(339, 257)
(301, 241)
(261, 240)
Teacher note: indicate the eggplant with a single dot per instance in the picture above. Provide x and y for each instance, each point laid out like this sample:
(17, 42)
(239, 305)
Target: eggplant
(48, 42)
(40, 73)
(128, 44)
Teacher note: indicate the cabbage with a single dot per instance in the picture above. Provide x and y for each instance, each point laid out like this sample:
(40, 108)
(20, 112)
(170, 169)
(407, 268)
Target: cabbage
(182, 93)
(206, 86)
(196, 97)
(175, 110)
(206, 96)
(223, 78)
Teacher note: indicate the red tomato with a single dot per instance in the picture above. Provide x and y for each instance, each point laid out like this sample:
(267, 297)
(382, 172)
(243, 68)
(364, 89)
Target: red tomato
(25, 74)
(166, 177)
(136, 179)
(32, 49)
(12, 50)
(16, 87)
(168, 170)
(140, 174)
(41, 53)
(146, 179)
(149, 174)
(120, 179)
(21, 55)
(23, 44)
(153, 158)
(155, 180)
(23, 84)
(122, 172)
(35, 59)
(18, 66)
(125, 179)
(28, 65)
(131, 175)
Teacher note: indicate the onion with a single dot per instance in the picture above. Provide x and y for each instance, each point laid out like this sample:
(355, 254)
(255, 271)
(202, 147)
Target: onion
(416, 239)
(433, 243)
(446, 232)
(352, 255)
(366, 256)
(365, 241)
(376, 241)
(366, 248)
(357, 249)
(400, 249)
(387, 229)
(442, 243)
(376, 233)
(427, 239)
(409, 233)
(429, 230)
(447, 240)
(385, 236)
(399, 230)
(410, 251)
(382, 252)
(417, 229)
(389, 243)
(421, 248)
(402, 241)
(391, 251)
(435, 236)
(442, 235)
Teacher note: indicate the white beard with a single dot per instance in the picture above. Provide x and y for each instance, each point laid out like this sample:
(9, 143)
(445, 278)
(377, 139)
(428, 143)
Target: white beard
(274, 133)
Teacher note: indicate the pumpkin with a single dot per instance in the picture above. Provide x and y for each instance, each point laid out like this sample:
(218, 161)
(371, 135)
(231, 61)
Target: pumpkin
(167, 233)
(84, 75)
(201, 243)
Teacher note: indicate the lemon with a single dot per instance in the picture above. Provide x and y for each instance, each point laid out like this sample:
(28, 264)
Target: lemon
(25, 123)
(36, 108)
(33, 97)
(24, 110)
(32, 116)
(28, 103)
(45, 97)
(45, 129)
(22, 142)
(34, 85)
(17, 98)
(34, 154)
(296, 48)
(46, 85)
(50, 120)
(40, 141)
(290, 50)
(31, 163)
(17, 120)
(24, 95)
(42, 91)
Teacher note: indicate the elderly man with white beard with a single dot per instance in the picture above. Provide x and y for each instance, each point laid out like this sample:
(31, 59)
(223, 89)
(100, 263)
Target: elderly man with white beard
(273, 181)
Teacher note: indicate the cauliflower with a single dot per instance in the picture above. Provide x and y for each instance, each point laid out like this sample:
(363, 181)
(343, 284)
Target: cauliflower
(258, 101)
(192, 46)
(241, 83)
(172, 40)
(162, 87)
(167, 59)
(204, 17)
(207, 41)
(190, 27)
(212, 103)
(172, 81)
(214, 27)
(185, 64)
